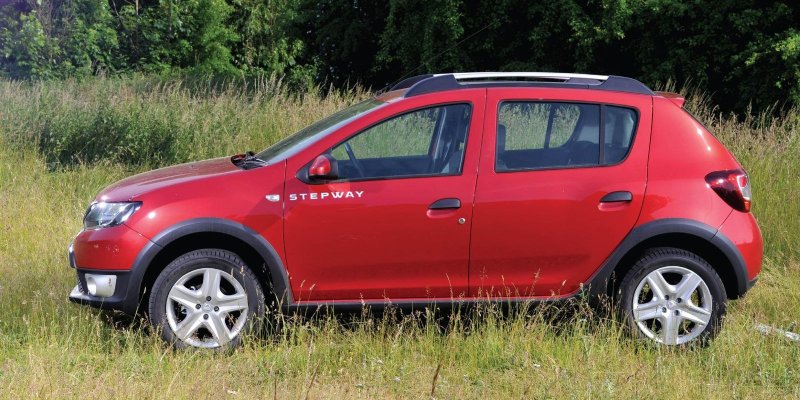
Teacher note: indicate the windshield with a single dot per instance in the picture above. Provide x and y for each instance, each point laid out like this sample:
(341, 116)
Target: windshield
(310, 134)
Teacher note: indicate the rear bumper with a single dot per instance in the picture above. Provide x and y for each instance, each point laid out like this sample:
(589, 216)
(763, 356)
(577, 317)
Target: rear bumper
(743, 232)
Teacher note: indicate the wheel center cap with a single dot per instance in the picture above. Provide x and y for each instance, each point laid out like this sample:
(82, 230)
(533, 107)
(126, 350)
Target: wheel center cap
(206, 307)
(671, 304)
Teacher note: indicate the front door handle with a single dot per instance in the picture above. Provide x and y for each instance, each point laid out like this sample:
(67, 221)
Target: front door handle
(445, 204)
(617, 197)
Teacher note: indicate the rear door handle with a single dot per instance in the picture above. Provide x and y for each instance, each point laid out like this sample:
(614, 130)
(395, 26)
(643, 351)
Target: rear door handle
(617, 197)
(445, 204)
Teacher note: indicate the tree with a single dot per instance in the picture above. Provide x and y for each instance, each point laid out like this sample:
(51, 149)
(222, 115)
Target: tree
(342, 38)
(163, 35)
(421, 36)
(743, 52)
(56, 39)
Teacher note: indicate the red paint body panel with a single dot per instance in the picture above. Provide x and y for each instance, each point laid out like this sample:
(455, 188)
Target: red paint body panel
(137, 185)
(544, 232)
(108, 249)
(209, 189)
(742, 229)
(682, 153)
(382, 245)
(383, 242)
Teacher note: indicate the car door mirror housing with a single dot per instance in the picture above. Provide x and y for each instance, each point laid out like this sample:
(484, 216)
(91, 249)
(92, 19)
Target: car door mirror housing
(324, 167)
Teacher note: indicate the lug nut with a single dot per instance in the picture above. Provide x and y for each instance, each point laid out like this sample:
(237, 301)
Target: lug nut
(205, 316)
(208, 298)
(663, 309)
(677, 312)
(197, 306)
(216, 308)
(679, 300)
(666, 297)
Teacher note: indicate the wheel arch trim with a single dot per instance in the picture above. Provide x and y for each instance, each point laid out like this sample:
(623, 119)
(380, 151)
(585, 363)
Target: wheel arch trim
(143, 261)
(597, 285)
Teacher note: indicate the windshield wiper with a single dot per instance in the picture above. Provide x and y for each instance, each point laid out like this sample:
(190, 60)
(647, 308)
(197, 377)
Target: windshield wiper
(247, 160)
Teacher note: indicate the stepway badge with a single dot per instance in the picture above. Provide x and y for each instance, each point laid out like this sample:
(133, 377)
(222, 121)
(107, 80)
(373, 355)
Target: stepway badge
(326, 195)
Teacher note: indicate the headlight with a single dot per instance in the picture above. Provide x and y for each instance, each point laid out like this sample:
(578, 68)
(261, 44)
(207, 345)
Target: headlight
(102, 215)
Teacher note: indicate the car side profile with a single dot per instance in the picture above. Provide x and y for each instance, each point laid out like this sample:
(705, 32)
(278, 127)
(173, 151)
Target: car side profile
(448, 188)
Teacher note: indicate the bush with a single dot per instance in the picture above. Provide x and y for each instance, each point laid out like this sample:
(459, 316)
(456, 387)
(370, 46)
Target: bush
(148, 122)
(132, 135)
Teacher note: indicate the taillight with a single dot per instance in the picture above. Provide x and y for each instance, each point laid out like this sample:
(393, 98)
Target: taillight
(733, 186)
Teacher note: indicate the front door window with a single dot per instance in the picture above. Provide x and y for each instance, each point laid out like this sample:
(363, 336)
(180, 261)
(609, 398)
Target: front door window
(427, 142)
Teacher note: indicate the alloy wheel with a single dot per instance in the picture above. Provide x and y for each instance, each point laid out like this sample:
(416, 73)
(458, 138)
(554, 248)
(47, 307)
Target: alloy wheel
(672, 305)
(207, 308)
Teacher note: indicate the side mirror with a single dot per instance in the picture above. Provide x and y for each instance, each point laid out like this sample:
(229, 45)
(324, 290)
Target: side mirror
(324, 167)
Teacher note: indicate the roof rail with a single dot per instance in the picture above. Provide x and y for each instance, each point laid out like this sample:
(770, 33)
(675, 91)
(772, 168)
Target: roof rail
(439, 82)
(537, 75)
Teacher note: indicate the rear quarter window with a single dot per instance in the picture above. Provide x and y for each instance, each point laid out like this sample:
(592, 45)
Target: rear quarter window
(620, 125)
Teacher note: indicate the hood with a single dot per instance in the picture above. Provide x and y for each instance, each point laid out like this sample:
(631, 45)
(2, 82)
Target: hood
(136, 185)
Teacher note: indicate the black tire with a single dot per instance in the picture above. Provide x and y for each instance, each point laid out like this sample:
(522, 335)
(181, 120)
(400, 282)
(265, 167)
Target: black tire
(202, 259)
(659, 259)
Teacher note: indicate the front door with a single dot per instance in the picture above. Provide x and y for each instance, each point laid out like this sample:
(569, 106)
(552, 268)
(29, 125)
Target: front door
(561, 184)
(395, 225)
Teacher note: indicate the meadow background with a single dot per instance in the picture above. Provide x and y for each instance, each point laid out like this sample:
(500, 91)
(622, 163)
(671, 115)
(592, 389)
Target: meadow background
(92, 91)
(62, 141)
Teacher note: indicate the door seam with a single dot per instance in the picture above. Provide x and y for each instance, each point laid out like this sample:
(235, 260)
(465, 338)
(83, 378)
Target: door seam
(475, 189)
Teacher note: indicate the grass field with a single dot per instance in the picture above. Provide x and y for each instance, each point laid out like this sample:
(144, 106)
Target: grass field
(60, 143)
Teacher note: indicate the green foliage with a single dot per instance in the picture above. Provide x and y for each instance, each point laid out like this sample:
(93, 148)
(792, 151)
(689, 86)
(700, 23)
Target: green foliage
(266, 43)
(343, 38)
(421, 44)
(142, 121)
(133, 135)
(187, 35)
(23, 46)
(729, 48)
(745, 53)
(789, 50)
(70, 38)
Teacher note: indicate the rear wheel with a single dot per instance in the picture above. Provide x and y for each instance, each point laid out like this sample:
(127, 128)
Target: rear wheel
(673, 297)
(206, 298)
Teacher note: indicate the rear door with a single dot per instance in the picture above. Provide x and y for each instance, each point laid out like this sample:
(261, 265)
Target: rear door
(561, 183)
(395, 223)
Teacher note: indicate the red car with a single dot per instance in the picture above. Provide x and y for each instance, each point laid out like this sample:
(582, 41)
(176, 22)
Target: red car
(450, 188)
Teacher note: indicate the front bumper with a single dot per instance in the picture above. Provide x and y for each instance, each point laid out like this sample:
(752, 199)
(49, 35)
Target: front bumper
(111, 255)
(119, 300)
(108, 249)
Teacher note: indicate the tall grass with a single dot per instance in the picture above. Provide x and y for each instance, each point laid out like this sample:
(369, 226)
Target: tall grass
(54, 157)
(143, 122)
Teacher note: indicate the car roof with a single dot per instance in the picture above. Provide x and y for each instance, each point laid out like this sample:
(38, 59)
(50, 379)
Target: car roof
(431, 83)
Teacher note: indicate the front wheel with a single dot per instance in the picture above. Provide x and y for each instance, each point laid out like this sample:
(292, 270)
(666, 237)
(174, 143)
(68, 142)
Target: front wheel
(206, 298)
(673, 297)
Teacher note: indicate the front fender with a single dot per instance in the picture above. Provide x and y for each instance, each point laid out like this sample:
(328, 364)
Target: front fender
(276, 269)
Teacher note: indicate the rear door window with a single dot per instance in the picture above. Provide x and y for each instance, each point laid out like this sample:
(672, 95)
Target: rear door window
(534, 135)
(541, 135)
